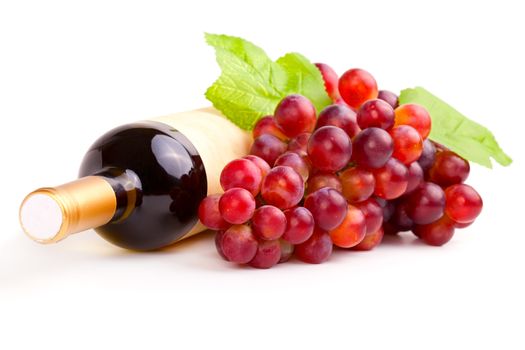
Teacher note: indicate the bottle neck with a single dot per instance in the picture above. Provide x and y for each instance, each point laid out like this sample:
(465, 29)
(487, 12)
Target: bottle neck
(50, 214)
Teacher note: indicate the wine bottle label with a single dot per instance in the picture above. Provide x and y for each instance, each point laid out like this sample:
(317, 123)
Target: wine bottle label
(217, 140)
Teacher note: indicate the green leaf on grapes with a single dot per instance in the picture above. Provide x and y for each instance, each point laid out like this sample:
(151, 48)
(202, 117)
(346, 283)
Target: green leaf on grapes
(251, 84)
(469, 139)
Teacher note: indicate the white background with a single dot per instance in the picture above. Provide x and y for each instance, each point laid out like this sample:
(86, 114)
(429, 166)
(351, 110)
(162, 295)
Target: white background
(71, 70)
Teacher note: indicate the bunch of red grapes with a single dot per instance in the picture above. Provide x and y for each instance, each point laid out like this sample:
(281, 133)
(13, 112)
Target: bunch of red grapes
(362, 168)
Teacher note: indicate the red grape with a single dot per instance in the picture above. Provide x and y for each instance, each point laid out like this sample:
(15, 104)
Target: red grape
(268, 222)
(238, 244)
(241, 173)
(358, 184)
(299, 225)
(331, 80)
(295, 114)
(341, 116)
(436, 233)
(372, 148)
(268, 147)
(210, 215)
(357, 86)
(391, 180)
(351, 231)
(286, 251)
(375, 113)
(283, 187)
(415, 177)
(268, 254)
(463, 203)
(373, 214)
(237, 205)
(370, 241)
(408, 145)
(267, 125)
(294, 161)
(428, 155)
(329, 149)
(321, 180)
(389, 97)
(218, 244)
(328, 207)
(261, 163)
(400, 219)
(426, 204)
(416, 116)
(316, 249)
(299, 144)
(449, 169)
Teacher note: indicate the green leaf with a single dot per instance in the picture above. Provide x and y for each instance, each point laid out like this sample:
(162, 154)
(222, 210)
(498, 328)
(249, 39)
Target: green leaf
(251, 84)
(469, 139)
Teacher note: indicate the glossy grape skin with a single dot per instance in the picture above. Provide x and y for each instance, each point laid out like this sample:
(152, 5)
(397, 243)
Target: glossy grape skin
(428, 155)
(426, 204)
(287, 250)
(268, 254)
(295, 114)
(299, 225)
(351, 231)
(341, 116)
(267, 125)
(260, 163)
(416, 116)
(268, 147)
(316, 249)
(436, 233)
(449, 169)
(358, 184)
(218, 238)
(283, 187)
(391, 180)
(373, 213)
(209, 213)
(372, 148)
(294, 161)
(370, 241)
(241, 173)
(331, 80)
(238, 244)
(415, 177)
(320, 180)
(357, 86)
(268, 222)
(389, 97)
(408, 145)
(299, 144)
(375, 113)
(328, 207)
(400, 219)
(237, 205)
(329, 149)
(463, 203)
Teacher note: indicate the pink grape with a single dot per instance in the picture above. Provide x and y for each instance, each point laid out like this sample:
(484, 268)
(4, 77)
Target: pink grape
(329, 149)
(316, 249)
(283, 187)
(241, 173)
(210, 215)
(328, 207)
(268, 222)
(238, 244)
(268, 254)
(340, 116)
(294, 161)
(295, 114)
(268, 147)
(299, 225)
(237, 205)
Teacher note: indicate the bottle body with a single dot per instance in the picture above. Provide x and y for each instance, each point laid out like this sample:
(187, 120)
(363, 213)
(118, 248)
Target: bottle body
(159, 171)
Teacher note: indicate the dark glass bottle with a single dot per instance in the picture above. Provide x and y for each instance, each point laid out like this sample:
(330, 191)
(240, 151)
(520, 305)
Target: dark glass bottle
(140, 184)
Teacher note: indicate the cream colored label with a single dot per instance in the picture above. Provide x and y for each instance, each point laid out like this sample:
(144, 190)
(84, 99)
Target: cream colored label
(217, 140)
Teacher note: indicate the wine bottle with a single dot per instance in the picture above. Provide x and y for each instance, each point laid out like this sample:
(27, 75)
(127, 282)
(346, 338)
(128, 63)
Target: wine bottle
(140, 184)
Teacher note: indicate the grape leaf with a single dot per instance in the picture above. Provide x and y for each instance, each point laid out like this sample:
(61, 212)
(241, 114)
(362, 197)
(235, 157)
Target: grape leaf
(251, 84)
(469, 139)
